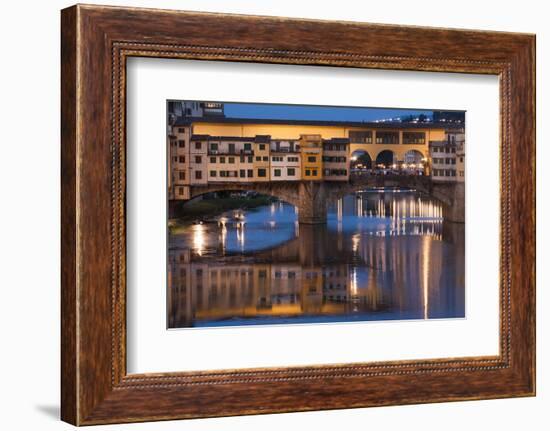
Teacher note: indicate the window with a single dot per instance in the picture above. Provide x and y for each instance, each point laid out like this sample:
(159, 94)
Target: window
(387, 138)
(181, 143)
(182, 159)
(277, 172)
(414, 137)
(262, 147)
(266, 159)
(180, 191)
(250, 159)
(175, 159)
(258, 159)
(198, 159)
(231, 149)
(291, 172)
(276, 159)
(213, 146)
(182, 175)
(312, 159)
(212, 160)
(292, 159)
(242, 173)
(198, 145)
(231, 160)
(314, 172)
(308, 173)
(262, 173)
(222, 159)
(247, 147)
(181, 129)
(250, 173)
(198, 175)
(361, 137)
(212, 173)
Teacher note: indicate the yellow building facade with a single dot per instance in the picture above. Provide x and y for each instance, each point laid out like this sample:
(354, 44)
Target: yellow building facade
(214, 151)
(311, 152)
(398, 139)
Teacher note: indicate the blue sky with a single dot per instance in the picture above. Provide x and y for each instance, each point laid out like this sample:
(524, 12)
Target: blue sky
(304, 112)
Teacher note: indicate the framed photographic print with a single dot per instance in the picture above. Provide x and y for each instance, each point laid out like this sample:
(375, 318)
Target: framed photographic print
(322, 214)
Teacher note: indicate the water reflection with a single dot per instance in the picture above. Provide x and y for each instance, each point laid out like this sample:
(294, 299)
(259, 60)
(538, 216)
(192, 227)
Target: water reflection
(382, 255)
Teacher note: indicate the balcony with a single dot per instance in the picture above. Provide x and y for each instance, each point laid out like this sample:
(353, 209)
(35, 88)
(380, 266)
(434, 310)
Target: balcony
(231, 153)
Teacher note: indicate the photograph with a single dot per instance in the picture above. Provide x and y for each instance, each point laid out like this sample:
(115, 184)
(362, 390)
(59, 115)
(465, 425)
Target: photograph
(282, 214)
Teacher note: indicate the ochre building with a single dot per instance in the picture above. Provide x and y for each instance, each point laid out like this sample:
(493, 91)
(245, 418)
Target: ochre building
(216, 150)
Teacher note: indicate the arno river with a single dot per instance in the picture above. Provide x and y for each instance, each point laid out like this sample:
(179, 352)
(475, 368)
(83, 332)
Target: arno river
(383, 255)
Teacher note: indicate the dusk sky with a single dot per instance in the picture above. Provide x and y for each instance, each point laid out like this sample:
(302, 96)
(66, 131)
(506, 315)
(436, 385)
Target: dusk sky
(302, 112)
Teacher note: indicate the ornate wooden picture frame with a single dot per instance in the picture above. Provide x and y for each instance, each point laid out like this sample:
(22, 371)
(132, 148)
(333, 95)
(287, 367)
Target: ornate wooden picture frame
(96, 41)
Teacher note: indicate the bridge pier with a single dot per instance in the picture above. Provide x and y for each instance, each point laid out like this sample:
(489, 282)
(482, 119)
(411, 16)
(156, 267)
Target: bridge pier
(453, 207)
(312, 205)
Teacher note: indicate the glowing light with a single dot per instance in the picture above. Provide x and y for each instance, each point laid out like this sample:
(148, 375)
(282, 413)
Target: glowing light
(353, 284)
(240, 234)
(426, 246)
(198, 239)
(355, 240)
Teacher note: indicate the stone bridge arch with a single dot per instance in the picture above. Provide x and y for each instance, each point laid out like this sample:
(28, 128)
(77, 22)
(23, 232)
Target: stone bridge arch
(310, 197)
(283, 191)
(451, 195)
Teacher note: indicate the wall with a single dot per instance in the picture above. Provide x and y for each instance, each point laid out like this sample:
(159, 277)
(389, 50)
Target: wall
(29, 228)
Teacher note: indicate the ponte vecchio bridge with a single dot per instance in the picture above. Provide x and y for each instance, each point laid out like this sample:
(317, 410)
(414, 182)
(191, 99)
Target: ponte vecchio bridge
(312, 198)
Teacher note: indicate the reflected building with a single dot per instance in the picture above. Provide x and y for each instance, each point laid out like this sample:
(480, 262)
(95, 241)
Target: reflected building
(329, 274)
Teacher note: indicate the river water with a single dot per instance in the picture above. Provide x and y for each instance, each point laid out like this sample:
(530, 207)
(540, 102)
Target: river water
(383, 255)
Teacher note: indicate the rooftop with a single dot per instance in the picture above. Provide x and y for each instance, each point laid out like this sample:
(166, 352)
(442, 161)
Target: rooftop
(186, 121)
